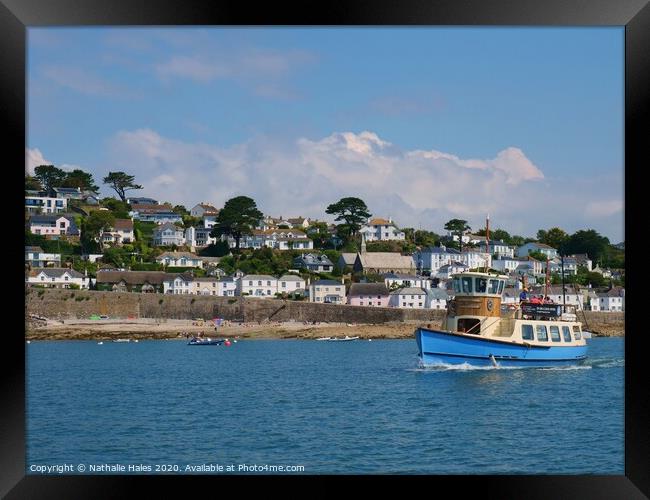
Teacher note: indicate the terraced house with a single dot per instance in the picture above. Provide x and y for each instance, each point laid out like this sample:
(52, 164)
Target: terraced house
(57, 278)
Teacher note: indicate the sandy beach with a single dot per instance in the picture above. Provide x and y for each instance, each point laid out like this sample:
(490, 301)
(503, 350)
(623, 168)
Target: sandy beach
(148, 328)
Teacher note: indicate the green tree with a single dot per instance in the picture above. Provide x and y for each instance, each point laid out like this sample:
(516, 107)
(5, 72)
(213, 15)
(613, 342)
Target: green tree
(424, 238)
(237, 218)
(189, 221)
(458, 227)
(121, 182)
(496, 235)
(32, 183)
(537, 255)
(120, 209)
(218, 249)
(80, 179)
(49, 176)
(351, 210)
(94, 225)
(319, 234)
(181, 210)
(554, 237)
(586, 241)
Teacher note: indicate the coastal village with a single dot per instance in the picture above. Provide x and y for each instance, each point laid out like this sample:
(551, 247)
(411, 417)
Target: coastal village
(76, 240)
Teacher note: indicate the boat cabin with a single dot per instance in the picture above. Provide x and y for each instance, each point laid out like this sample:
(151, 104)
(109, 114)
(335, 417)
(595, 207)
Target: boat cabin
(477, 296)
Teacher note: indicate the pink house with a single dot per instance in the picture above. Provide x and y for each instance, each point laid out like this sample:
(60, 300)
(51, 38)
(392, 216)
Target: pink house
(368, 295)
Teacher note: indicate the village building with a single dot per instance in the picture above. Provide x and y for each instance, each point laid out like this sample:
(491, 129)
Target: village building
(346, 262)
(131, 281)
(50, 277)
(258, 285)
(120, 233)
(327, 292)
(37, 202)
(436, 298)
(408, 298)
(180, 259)
(314, 262)
(396, 280)
(431, 259)
(291, 284)
(368, 294)
(160, 214)
(53, 226)
(36, 257)
(378, 229)
(168, 234)
(547, 250)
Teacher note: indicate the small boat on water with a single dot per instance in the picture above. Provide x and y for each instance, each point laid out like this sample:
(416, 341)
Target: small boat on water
(207, 341)
(335, 339)
(477, 332)
(122, 340)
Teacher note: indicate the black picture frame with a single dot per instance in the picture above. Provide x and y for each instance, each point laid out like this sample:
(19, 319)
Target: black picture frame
(17, 15)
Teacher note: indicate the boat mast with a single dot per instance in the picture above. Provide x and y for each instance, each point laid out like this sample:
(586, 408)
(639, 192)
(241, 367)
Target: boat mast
(547, 278)
(563, 295)
(487, 241)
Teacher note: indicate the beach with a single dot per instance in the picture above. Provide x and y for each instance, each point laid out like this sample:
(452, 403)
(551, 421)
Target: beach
(150, 328)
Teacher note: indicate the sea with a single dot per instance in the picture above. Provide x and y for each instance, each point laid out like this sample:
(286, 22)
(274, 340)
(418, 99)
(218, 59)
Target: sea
(309, 407)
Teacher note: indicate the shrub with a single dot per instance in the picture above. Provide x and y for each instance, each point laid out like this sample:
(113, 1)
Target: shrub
(160, 301)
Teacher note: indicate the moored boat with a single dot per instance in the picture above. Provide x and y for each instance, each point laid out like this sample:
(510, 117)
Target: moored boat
(477, 332)
(344, 339)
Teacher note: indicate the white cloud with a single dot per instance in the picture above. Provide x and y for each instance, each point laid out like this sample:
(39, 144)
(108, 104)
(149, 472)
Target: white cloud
(604, 208)
(416, 188)
(83, 81)
(34, 158)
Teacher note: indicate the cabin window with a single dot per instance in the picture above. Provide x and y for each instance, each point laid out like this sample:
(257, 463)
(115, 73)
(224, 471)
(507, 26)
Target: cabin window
(527, 332)
(494, 286)
(469, 325)
(501, 285)
(541, 333)
(481, 285)
(555, 333)
(467, 285)
(567, 333)
(576, 332)
(456, 285)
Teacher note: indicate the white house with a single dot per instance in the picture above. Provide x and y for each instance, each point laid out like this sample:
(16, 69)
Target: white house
(393, 280)
(257, 285)
(409, 298)
(448, 270)
(290, 283)
(611, 301)
(327, 292)
(57, 278)
(281, 239)
(198, 237)
(433, 258)
(141, 201)
(168, 234)
(436, 298)
(497, 247)
(505, 264)
(525, 249)
(314, 262)
(381, 230)
(121, 233)
(206, 212)
(160, 214)
(180, 259)
(36, 202)
(36, 257)
(474, 259)
(298, 222)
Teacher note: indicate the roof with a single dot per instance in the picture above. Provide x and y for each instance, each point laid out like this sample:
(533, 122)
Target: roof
(208, 209)
(614, 292)
(348, 258)
(297, 220)
(368, 289)
(437, 293)
(123, 225)
(67, 189)
(34, 249)
(493, 242)
(539, 245)
(439, 250)
(408, 291)
(327, 283)
(258, 277)
(385, 260)
(146, 208)
(132, 277)
(310, 258)
(290, 277)
(380, 222)
(50, 218)
(178, 255)
(168, 225)
(56, 272)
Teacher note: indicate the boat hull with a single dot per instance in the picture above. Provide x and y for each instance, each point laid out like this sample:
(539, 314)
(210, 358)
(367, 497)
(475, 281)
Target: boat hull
(206, 342)
(446, 348)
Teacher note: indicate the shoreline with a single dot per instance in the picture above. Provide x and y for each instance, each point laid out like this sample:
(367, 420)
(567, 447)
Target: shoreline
(152, 329)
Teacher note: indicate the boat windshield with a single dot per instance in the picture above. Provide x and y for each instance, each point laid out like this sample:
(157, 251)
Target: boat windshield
(494, 287)
(467, 285)
(481, 285)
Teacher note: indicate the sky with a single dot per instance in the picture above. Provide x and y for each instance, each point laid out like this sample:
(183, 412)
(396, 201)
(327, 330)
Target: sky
(424, 124)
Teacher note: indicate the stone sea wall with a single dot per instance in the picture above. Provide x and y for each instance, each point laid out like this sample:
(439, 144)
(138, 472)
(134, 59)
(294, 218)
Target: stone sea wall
(79, 304)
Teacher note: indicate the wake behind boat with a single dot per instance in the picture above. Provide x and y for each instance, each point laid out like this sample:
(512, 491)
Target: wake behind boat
(476, 332)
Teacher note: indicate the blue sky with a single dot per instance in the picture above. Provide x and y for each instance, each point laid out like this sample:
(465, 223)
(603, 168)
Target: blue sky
(424, 124)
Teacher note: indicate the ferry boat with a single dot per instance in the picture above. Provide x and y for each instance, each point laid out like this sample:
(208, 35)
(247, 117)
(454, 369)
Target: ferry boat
(476, 331)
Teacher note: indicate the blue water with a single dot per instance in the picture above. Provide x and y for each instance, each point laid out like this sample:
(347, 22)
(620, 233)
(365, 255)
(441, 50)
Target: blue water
(333, 407)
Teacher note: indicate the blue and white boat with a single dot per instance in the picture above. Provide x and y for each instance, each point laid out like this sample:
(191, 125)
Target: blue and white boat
(208, 341)
(477, 332)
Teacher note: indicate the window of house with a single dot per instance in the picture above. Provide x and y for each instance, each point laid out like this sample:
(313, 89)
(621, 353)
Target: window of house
(567, 333)
(542, 334)
(555, 333)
